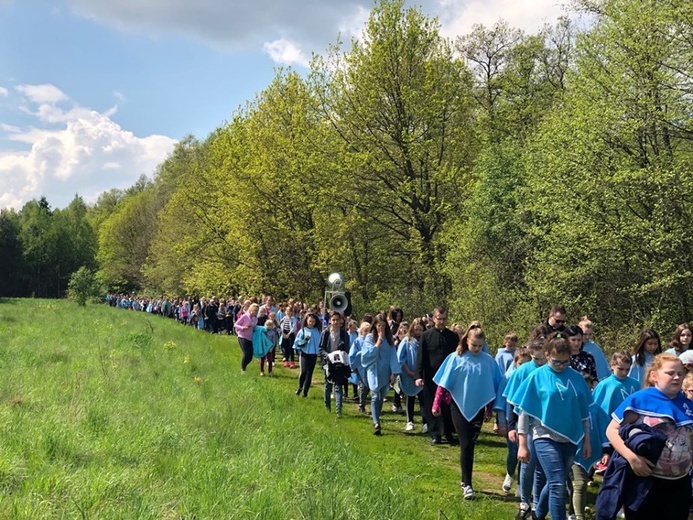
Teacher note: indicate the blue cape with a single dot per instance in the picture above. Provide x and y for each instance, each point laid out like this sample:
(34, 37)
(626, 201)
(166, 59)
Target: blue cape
(261, 343)
(516, 378)
(598, 423)
(504, 358)
(471, 379)
(637, 372)
(379, 362)
(560, 400)
(651, 402)
(603, 369)
(611, 392)
(407, 352)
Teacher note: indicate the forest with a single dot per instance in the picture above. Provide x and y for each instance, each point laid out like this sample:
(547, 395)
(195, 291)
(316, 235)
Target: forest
(497, 173)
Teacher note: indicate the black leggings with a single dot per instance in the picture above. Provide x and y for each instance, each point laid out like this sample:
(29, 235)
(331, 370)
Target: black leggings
(411, 401)
(307, 364)
(468, 433)
(247, 348)
(288, 347)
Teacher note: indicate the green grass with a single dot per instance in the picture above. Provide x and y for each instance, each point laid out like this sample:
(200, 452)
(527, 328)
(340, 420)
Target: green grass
(106, 413)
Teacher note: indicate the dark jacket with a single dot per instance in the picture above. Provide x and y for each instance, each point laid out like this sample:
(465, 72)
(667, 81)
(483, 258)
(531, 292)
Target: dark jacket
(621, 486)
(335, 374)
(435, 345)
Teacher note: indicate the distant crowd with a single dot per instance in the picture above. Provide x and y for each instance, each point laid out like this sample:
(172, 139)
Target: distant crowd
(566, 411)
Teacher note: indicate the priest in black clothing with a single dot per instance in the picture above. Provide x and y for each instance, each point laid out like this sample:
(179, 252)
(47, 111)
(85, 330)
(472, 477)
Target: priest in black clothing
(435, 345)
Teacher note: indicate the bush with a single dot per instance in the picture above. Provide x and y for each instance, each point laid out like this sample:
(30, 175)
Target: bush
(82, 286)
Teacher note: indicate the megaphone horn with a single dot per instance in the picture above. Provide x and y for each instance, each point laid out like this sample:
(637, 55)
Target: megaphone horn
(338, 303)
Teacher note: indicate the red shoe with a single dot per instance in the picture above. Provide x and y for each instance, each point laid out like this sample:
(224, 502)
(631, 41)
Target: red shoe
(293, 365)
(286, 363)
(599, 468)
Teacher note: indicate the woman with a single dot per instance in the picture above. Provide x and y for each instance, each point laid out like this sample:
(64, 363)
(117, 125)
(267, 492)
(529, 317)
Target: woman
(469, 378)
(245, 325)
(379, 358)
(407, 353)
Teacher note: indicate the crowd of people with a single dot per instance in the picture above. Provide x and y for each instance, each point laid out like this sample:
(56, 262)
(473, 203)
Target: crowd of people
(565, 409)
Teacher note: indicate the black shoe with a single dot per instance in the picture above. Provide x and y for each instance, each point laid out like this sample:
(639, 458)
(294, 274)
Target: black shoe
(376, 430)
(436, 440)
(452, 441)
(362, 410)
(298, 392)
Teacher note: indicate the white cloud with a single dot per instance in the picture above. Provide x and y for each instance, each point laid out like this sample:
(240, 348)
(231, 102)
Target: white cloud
(72, 150)
(41, 93)
(286, 52)
(3, 92)
(291, 30)
(457, 17)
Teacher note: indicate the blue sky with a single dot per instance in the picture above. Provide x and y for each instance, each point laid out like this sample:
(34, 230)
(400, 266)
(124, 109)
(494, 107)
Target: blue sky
(94, 93)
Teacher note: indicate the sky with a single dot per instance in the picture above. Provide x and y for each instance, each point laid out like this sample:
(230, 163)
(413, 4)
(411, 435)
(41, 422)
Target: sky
(95, 93)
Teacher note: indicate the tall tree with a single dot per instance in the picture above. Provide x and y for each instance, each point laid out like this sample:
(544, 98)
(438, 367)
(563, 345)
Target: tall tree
(399, 103)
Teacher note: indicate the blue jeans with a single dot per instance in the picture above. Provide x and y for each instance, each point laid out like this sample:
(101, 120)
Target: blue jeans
(337, 395)
(532, 477)
(555, 458)
(377, 397)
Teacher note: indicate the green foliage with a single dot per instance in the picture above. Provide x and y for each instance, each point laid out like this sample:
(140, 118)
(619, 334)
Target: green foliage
(83, 285)
(123, 415)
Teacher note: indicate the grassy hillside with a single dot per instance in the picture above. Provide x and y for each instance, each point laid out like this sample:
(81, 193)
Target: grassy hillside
(106, 413)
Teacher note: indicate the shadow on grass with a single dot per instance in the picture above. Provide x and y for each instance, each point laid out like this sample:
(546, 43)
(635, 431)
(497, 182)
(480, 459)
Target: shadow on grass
(4, 300)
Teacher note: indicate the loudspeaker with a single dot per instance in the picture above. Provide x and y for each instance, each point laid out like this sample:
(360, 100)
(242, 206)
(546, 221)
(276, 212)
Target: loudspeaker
(339, 302)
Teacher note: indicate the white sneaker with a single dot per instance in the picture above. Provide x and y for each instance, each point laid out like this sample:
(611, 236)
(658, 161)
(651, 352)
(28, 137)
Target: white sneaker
(467, 491)
(507, 483)
(571, 517)
(409, 427)
(424, 428)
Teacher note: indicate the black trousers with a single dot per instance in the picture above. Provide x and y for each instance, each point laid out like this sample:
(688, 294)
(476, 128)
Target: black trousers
(441, 425)
(307, 364)
(468, 432)
(247, 348)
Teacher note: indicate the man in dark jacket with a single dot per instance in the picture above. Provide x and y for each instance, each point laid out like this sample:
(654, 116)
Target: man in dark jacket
(435, 345)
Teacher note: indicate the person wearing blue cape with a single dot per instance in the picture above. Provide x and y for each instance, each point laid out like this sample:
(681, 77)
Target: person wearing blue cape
(358, 372)
(263, 344)
(591, 347)
(665, 485)
(501, 407)
(469, 378)
(556, 399)
(532, 478)
(601, 451)
(407, 353)
(307, 343)
(379, 358)
(649, 345)
(613, 390)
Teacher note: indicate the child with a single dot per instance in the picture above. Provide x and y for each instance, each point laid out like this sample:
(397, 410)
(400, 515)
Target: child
(379, 359)
(557, 399)
(521, 356)
(589, 346)
(613, 390)
(662, 412)
(353, 330)
(332, 339)
(681, 340)
(647, 348)
(358, 373)
(264, 339)
(580, 360)
(244, 329)
(307, 343)
(289, 327)
(506, 354)
(407, 353)
(580, 470)
(531, 475)
(470, 379)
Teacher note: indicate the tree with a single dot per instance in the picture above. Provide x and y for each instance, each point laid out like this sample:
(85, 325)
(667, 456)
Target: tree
(399, 105)
(83, 286)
